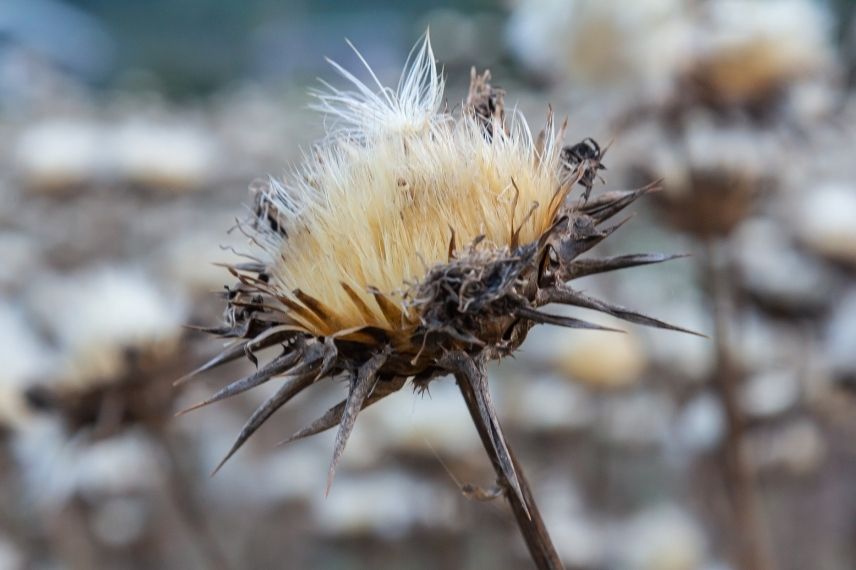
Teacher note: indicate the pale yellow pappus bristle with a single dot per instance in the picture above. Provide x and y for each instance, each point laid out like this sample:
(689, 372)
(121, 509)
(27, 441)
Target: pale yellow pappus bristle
(376, 207)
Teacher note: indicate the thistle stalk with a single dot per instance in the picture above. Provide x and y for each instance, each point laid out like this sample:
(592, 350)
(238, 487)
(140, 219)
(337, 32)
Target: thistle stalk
(523, 506)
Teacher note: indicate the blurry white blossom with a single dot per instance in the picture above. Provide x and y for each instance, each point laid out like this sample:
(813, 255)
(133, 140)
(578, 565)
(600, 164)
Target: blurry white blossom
(602, 43)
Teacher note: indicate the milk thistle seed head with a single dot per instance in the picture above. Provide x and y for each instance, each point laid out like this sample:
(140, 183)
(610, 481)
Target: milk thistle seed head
(415, 241)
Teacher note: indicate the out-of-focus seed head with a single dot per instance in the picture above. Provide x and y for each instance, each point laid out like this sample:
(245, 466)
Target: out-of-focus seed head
(713, 175)
(609, 44)
(749, 52)
(118, 338)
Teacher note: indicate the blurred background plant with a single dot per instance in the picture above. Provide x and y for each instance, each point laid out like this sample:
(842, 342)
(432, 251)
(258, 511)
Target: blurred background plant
(130, 132)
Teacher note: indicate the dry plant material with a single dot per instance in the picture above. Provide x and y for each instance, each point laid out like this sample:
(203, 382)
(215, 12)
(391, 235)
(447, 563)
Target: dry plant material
(415, 242)
(139, 396)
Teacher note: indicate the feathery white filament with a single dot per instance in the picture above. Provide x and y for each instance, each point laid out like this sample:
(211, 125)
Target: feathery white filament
(363, 111)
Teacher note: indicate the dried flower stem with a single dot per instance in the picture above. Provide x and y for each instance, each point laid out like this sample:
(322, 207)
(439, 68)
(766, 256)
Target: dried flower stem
(752, 550)
(522, 503)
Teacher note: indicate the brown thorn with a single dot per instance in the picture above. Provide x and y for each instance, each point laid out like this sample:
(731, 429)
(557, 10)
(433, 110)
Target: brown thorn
(364, 383)
(562, 321)
(582, 267)
(333, 416)
(567, 296)
(276, 366)
(236, 351)
(286, 392)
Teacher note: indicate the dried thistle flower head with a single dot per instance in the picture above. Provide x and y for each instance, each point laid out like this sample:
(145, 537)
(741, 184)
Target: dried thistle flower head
(414, 242)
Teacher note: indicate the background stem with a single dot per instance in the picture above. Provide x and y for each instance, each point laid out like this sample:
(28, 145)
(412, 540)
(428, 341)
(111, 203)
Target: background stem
(752, 551)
